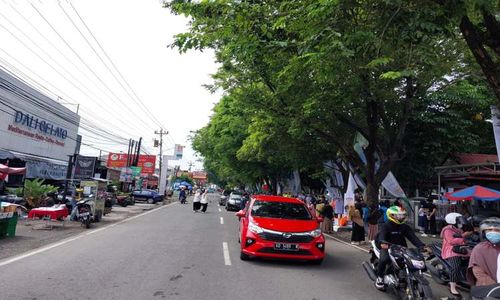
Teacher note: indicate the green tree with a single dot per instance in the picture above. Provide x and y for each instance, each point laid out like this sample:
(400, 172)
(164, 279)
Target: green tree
(317, 73)
(35, 191)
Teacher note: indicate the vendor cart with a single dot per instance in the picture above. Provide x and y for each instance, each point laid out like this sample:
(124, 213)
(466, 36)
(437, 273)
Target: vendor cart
(95, 189)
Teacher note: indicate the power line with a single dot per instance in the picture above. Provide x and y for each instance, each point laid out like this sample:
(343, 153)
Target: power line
(136, 99)
(86, 65)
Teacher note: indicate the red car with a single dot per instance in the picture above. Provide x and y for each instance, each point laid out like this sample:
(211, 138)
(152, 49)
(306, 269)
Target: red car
(280, 227)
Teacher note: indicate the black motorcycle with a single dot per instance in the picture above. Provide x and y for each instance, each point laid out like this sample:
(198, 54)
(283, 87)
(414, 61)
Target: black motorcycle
(404, 275)
(85, 212)
(440, 269)
(486, 292)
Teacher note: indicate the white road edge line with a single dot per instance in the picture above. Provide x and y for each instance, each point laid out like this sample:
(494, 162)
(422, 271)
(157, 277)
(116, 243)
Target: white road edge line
(221, 220)
(357, 247)
(225, 250)
(65, 241)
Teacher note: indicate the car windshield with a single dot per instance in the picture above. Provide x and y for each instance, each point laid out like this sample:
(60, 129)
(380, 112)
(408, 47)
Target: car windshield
(280, 210)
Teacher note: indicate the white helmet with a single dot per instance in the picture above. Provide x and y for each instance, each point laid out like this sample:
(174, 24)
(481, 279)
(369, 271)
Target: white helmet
(451, 218)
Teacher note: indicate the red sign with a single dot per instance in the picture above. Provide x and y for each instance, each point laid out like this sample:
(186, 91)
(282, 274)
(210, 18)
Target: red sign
(119, 160)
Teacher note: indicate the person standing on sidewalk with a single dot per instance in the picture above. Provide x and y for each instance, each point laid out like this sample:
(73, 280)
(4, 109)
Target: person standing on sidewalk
(358, 230)
(204, 200)
(327, 214)
(196, 200)
(431, 218)
(373, 218)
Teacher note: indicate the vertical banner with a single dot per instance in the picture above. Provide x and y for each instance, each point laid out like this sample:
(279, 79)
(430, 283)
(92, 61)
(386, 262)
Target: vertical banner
(495, 117)
(349, 194)
(392, 186)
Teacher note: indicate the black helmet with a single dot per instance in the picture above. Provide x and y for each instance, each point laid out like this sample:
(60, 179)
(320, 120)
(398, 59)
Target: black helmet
(461, 221)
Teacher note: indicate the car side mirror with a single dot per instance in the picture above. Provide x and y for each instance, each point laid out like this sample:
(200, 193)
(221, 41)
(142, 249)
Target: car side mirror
(320, 219)
(240, 214)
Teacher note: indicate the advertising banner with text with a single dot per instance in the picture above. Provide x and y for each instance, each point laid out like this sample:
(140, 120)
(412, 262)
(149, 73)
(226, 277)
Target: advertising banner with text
(119, 160)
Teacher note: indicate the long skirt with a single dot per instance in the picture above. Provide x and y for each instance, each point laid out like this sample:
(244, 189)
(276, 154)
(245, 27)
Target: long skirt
(196, 205)
(326, 226)
(457, 263)
(358, 233)
(372, 231)
(204, 207)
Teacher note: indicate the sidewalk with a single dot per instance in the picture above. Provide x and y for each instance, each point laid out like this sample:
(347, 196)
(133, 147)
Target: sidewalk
(33, 234)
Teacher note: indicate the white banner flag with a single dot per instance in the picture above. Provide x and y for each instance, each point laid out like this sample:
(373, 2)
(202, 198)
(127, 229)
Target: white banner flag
(349, 194)
(495, 117)
(392, 186)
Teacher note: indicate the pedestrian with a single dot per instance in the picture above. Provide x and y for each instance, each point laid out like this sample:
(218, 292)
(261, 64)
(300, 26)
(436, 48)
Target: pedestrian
(204, 200)
(358, 230)
(366, 214)
(422, 217)
(431, 218)
(197, 200)
(182, 195)
(319, 207)
(484, 263)
(373, 218)
(327, 214)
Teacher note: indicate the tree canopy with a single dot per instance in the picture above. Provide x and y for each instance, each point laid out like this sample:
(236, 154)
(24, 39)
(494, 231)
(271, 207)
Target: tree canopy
(303, 78)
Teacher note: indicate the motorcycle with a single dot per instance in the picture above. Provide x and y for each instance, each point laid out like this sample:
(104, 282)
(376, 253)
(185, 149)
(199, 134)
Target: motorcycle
(404, 275)
(85, 211)
(485, 292)
(440, 269)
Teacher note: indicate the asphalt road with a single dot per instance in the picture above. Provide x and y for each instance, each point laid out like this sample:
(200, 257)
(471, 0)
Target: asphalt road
(173, 253)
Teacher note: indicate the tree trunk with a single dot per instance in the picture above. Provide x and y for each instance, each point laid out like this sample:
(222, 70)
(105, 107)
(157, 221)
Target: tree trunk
(490, 69)
(372, 191)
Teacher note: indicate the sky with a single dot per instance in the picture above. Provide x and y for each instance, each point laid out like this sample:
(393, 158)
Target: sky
(120, 74)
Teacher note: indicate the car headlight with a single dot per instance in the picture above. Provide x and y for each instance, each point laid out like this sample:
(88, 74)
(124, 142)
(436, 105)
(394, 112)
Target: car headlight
(315, 233)
(418, 264)
(231, 201)
(254, 228)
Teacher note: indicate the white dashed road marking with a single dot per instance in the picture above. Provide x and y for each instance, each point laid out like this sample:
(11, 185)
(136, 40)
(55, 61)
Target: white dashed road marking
(220, 210)
(225, 250)
(221, 220)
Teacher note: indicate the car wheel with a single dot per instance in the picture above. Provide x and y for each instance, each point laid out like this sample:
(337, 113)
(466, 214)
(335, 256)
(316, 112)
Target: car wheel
(151, 201)
(244, 256)
(317, 262)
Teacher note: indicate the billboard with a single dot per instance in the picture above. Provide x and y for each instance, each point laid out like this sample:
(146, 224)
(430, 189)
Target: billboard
(84, 167)
(178, 151)
(119, 160)
(35, 125)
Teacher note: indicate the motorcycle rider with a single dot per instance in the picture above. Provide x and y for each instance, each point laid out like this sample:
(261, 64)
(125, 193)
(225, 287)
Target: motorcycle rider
(394, 231)
(454, 236)
(485, 257)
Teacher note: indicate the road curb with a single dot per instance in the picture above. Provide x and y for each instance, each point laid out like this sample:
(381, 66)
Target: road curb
(345, 243)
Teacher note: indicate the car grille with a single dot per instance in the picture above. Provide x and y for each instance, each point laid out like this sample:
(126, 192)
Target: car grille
(274, 251)
(276, 237)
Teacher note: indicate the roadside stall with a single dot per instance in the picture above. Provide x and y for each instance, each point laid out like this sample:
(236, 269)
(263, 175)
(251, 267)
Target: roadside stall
(484, 201)
(96, 189)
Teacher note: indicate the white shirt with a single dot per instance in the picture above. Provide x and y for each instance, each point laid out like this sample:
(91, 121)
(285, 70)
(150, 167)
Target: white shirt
(204, 199)
(197, 197)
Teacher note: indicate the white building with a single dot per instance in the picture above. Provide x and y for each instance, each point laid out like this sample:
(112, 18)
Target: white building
(35, 129)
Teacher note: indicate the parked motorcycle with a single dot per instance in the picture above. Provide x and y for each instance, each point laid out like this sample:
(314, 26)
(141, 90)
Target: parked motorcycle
(486, 292)
(85, 211)
(404, 275)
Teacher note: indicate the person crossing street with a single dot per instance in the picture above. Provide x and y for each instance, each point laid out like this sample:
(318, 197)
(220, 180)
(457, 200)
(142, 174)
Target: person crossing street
(204, 200)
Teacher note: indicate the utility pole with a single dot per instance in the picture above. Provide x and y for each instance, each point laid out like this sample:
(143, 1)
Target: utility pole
(161, 133)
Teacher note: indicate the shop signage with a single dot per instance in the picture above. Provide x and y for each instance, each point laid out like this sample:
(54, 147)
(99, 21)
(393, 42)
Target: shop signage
(84, 167)
(129, 174)
(146, 162)
(178, 151)
(41, 125)
(45, 170)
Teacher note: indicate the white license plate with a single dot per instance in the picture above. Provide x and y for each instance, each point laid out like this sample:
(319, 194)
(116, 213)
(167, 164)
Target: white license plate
(286, 246)
(84, 214)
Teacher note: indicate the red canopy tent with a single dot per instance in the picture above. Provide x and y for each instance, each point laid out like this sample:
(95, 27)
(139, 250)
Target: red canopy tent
(6, 170)
(475, 192)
